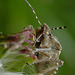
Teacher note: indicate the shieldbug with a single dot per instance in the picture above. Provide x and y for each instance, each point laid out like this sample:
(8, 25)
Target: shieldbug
(47, 49)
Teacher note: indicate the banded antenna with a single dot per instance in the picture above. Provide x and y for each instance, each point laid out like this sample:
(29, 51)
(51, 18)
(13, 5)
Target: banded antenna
(59, 28)
(33, 12)
(39, 20)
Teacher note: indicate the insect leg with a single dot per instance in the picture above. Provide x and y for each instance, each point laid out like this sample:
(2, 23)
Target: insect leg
(48, 65)
(43, 49)
(37, 39)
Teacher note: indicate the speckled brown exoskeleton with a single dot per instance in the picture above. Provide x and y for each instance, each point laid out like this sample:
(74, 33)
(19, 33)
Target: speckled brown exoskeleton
(47, 49)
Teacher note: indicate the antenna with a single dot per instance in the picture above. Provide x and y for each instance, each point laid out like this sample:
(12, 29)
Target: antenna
(59, 28)
(33, 12)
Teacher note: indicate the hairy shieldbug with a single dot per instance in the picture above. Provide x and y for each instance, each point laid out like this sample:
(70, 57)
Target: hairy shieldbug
(47, 49)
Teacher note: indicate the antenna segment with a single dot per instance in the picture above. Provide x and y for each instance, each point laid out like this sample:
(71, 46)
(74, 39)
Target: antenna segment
(59, 28)
(33, 12)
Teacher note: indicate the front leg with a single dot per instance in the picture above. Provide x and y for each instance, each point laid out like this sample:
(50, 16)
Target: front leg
(48, 52)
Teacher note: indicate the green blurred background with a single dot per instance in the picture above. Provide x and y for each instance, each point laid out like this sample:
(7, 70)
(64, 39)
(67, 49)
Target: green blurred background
(16, 14)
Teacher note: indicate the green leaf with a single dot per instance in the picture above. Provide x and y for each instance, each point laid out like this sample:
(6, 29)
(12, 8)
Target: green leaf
(2, 51)
(9, 73)
(13, 62)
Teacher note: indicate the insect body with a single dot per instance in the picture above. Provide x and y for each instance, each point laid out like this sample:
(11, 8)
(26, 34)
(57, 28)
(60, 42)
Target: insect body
(47, 50)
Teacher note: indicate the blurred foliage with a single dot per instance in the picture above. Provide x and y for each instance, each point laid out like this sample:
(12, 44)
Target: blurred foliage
(16, 14)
